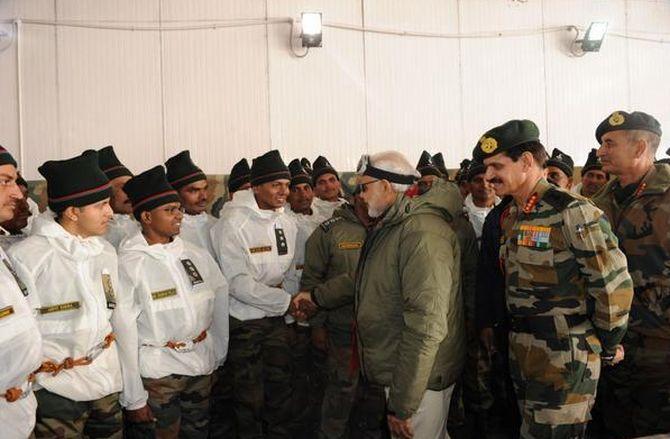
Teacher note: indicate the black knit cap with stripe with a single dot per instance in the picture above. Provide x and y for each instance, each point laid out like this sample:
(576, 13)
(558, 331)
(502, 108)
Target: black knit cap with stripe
(6, 157)
(239, 176)
(77, 182)
(110, 163)
(268, 167)
(322, 166)
(150, 190)
(298, 174)
(181, 170)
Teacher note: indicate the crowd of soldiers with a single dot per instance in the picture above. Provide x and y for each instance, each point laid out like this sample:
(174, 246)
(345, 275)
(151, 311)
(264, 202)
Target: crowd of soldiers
(498, 303)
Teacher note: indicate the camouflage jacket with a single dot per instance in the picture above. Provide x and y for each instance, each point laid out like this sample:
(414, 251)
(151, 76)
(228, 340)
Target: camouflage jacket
(642, 224)
(333, 250)
(561, 258)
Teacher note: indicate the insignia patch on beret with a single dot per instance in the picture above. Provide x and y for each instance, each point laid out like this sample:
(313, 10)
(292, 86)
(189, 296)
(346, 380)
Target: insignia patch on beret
(616, 119)
(488, 144)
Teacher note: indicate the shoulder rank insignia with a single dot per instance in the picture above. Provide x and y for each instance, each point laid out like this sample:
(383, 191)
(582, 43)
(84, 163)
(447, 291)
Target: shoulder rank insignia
(327, 224)
(192, 272)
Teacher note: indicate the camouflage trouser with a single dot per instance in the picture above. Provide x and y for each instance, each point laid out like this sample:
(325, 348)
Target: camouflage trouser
(59, 417)
(635, 394)
(555, 377)
(260, 361)
(222, 419)
(351, 408)
(308, 383)
(180, 404)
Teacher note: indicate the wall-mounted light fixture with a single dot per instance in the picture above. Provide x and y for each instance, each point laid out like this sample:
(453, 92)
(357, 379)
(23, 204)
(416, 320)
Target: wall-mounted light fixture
(311, 29)
(310, 33)
(592, 40)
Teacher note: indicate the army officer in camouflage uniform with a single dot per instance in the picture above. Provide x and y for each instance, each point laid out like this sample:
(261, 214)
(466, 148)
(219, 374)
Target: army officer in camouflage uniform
(636, 395)
(567, 287)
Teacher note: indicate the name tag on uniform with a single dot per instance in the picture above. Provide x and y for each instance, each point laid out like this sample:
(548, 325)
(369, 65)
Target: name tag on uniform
(6, 311)
(350, 245)
(109, 290)
(58, 308)
(192, 271)
(262, 249)
(19, 282)
(533, 236)
(157, 295)
(282, 246)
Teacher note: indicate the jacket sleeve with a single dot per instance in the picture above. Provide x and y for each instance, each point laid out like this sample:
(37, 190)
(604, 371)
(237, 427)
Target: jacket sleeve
(428, 264)
(317, 258)
(220, 319)
(235, 266)
(124, 321)
(603, 267)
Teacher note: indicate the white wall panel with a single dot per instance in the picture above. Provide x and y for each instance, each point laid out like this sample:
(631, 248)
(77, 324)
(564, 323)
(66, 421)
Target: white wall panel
(649, 65)
(502, 78)
(216, 87)
(582, 91)
(109, 83)
(414, 95)
(317, 103)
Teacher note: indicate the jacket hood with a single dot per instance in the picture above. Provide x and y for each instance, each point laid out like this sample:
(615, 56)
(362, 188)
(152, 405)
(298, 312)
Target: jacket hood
(347, 212)
(245, 203)
(138, 243)
(443, 199)
(73, 246)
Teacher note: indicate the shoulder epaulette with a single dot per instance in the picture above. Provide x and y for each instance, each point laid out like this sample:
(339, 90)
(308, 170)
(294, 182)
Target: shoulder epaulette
(559, 199)
(327, 224)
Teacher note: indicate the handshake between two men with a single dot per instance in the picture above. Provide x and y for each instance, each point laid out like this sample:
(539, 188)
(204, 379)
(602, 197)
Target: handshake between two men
(302, 307)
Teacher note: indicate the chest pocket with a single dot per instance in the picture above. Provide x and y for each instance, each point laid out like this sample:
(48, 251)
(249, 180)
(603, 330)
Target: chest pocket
(536, 266)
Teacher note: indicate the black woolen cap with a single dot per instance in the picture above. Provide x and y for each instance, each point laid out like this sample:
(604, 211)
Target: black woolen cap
(562, 161)
(298, 174)
(77, 182)
(110, 163)
(475, 168)
(426, 165)
(322, 166)
(592, 162)
(268, 167)
(6, 158)
(182, 171)
(149, 190)
(306, 165)
(462, 173)
(239, 176)
(438, 161)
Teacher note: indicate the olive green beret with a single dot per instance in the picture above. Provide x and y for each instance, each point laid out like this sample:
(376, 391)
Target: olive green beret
(620, 120)
(505, 137)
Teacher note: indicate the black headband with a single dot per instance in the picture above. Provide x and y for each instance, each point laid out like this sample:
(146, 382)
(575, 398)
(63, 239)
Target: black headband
(371, 171)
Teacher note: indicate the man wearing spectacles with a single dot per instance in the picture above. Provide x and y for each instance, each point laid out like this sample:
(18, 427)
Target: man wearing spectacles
(408, 306)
